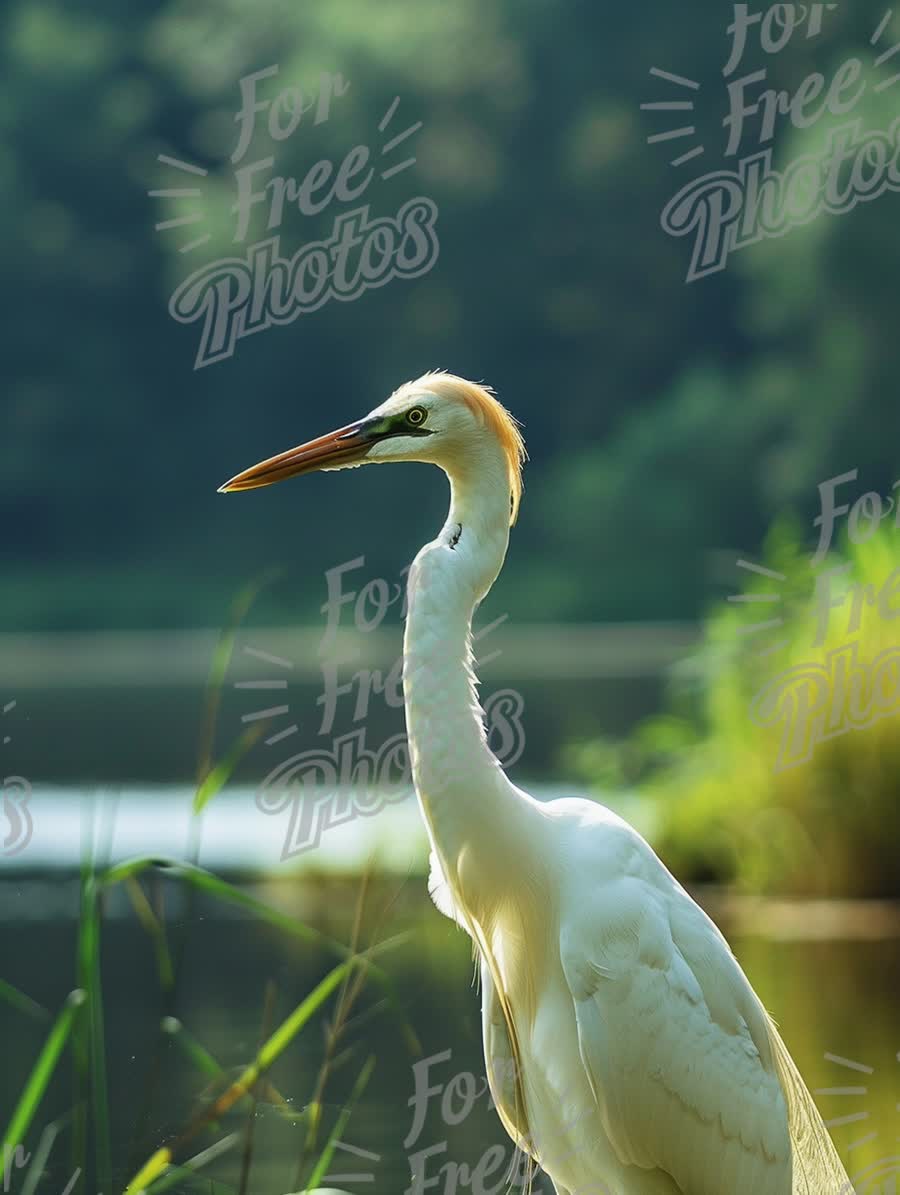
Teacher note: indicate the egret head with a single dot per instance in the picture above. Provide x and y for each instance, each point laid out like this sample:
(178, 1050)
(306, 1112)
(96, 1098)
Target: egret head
(439, 418)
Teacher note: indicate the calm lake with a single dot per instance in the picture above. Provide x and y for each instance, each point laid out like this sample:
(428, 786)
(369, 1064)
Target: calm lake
(424, 1110)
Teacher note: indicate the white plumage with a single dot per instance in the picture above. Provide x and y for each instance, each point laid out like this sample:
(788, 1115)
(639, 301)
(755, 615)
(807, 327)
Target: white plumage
(625, 1047)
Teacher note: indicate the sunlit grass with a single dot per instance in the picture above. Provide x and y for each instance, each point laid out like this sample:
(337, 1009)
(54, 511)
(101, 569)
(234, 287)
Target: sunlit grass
(79, 1030)
(78, 1034)
(760, 772)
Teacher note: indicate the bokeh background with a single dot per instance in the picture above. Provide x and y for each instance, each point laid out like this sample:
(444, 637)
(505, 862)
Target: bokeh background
(675, 428)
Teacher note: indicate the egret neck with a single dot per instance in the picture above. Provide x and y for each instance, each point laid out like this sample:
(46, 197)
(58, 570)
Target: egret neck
(474, 815)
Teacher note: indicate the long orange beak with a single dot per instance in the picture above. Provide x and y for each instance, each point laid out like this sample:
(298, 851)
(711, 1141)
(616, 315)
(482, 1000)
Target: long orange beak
(342, 447)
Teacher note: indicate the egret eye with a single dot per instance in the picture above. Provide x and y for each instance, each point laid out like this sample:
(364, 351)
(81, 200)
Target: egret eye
(416, 416)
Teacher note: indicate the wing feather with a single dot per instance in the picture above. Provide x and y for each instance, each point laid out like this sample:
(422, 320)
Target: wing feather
(690, 1075)
(817, 1166)
(500, 1059)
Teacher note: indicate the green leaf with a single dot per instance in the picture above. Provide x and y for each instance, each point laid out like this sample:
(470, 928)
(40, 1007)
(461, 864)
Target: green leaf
(219, 667)
(22, 1002)
(160, 1162)
(288, 1030)
(205, 881)
(189, 1168)
(42, 1073)
(321, 1167)
(93, 1026)
(197, 1053)
(155, 929)
(218, 776)
(192, 1049)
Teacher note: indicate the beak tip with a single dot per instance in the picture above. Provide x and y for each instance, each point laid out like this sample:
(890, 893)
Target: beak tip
(338, 449)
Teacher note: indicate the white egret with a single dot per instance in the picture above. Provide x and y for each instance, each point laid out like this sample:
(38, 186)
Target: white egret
(625, 1048)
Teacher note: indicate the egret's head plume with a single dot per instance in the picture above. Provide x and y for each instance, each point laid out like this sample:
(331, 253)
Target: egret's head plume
(459, 416)
(439, 418)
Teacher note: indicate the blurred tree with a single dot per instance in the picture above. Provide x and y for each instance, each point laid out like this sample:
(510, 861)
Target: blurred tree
(663, 420)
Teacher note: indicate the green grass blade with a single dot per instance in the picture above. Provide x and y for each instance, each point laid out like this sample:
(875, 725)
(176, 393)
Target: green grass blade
(42, 1073)
(155, 929)
(321, 1167)
(192, 1049)
(90, 981)
(160, 1162)
(218, 667)
(130, 867)
(204, 1061)
(204, 880)
(23, 1003)
(288, 1030)
(40, 1157)
(81, 1037)
(207, 882)
(188, 1169)
(219, 775)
